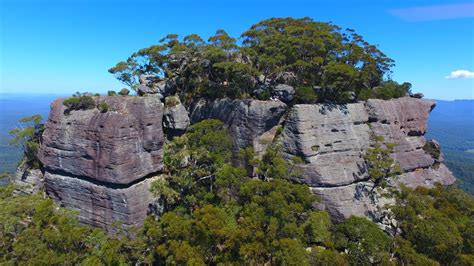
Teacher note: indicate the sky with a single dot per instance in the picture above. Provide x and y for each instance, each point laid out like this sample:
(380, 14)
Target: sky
(66, 46)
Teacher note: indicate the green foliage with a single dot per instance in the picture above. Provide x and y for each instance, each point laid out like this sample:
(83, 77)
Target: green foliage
(34, 231)
(386, 90)
(366, 243)
(171, 101)
(326, 257)
(432, 150)
(341, 64)
(124, 92)
(29, 137)
(274, 166)
(103, 107)
(380, 164)
(79, 102)
(305, 94)
(111, 93)
(437, 222)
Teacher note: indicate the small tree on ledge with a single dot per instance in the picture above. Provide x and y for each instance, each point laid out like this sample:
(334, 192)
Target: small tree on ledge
(380, 163)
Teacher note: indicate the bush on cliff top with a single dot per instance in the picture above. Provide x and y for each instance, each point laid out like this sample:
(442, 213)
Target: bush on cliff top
(337, 63)
(79, 102)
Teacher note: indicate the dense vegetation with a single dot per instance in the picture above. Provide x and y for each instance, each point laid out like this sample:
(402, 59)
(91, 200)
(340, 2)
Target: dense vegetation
(214, 213)
(323, 63)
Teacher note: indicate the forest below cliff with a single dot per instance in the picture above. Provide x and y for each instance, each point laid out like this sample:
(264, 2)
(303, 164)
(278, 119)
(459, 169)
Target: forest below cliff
(214, 213)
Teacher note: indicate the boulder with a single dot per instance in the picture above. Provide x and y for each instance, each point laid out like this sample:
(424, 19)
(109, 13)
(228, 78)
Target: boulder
(175, 116)
(284, 92)
(118, 146)
(28, 180)
(144, 89)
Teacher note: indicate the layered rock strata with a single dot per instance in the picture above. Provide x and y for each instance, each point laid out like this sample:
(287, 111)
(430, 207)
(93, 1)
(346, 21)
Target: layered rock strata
(100, 163)
(332, 140)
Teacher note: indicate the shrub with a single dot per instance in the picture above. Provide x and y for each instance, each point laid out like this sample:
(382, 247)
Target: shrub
(124, 92)
(305, 94)
(103, 107)
(82, 102)
(112, 93)
(432, 149)
(171, 101)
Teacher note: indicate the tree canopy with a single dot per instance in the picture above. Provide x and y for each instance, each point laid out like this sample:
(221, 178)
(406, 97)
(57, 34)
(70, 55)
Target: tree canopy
(336, 65)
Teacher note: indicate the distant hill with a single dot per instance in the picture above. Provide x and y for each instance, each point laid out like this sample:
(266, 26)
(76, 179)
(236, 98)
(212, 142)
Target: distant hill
(12, 108)
(452, 124)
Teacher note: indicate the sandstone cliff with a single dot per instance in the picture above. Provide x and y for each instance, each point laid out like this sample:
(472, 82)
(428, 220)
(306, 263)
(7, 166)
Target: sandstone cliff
(102, 164)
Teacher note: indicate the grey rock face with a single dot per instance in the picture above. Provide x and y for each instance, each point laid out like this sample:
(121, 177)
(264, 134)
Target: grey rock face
(175, 117)
(118, 146)
(251, 122)
(332, 140)
(144, 89)
(101, 205)
(101, 163)
(28, 181)
(284, 92)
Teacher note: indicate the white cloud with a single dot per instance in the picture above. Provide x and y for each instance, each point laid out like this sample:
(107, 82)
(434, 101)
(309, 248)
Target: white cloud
(459, 74)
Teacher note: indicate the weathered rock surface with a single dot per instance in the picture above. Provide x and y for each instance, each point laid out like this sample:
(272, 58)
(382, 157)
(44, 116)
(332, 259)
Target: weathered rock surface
(101, 163)
(118, 146)
(251, 122)
(284, 92)
(176, 117)
(100, 205)
(28, 181)
(332, 140)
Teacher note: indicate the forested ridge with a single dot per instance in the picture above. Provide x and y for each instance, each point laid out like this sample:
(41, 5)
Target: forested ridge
(215, 207)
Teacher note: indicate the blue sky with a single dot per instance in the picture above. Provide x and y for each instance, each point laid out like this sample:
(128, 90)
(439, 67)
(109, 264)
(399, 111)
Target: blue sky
(67, 46)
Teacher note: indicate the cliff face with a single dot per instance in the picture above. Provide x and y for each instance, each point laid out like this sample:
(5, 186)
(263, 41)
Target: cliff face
(100, 163)
(332, 140)
(103, 163)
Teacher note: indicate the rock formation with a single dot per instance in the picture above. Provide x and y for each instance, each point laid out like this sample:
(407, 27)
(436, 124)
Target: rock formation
(252, 123)
(100, 163)
(28, 181)
(103, 163)
(332, 140)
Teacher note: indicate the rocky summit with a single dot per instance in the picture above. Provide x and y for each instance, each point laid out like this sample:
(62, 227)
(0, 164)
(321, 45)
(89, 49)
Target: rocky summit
(102, 163)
